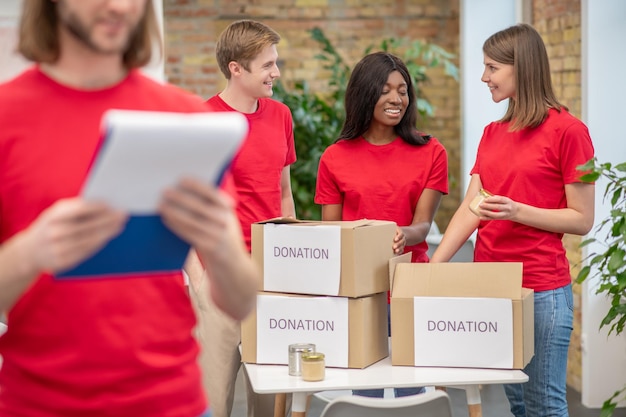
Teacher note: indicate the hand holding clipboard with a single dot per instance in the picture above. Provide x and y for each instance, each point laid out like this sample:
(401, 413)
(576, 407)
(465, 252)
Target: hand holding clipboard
(142, 154)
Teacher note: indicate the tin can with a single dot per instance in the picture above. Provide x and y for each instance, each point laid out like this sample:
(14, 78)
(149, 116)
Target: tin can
(295, 352)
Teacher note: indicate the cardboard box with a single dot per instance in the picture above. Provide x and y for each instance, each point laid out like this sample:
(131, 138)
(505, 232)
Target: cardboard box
(346, 259)
(351, 332)
(470, 315)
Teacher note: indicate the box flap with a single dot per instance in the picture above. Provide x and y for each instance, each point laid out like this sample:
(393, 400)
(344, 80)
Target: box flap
(459, 279)
(354, 224)
(283, 220)
(404, 258)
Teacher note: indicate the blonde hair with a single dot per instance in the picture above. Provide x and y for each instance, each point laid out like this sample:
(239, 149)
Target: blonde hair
(39, 38)
(522, 46)
(241, 42)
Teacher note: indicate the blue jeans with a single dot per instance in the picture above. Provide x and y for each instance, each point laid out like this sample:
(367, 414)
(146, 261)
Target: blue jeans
(545, 392)
(398, 392)
(207, 413)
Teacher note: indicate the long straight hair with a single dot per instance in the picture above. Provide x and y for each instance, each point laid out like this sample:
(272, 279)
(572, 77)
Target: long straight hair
(522, 46)
(39, 35)
(365, 87)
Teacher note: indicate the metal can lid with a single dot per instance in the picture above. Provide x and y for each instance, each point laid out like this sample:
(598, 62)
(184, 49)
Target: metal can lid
(302, 347)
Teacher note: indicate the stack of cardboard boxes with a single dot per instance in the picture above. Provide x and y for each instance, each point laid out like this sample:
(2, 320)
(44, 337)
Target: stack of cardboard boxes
(324, 283)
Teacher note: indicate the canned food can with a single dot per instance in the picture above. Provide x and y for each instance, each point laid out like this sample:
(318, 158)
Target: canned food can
(295, 352)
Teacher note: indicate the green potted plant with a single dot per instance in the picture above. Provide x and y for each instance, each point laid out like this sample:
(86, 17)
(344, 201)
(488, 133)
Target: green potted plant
(609, 266)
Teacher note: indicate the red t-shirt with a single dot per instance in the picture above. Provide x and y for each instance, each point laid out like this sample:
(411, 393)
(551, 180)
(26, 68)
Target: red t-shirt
(531, 166)
(381, 182)
(256, 169)
(75, 347)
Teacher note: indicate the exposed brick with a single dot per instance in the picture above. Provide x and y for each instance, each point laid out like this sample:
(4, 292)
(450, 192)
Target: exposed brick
(565, 62)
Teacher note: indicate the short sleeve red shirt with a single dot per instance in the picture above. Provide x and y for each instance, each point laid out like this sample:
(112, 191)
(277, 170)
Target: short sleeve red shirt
(257, 168)
(381, 182)
(531, 166)
(104, 346)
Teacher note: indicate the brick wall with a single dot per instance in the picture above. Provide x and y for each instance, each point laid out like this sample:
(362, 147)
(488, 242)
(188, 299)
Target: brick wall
(192, 26)
(558, 21)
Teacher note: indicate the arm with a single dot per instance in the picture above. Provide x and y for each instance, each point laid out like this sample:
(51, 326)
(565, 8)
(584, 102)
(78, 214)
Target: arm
(576, 218)
(331, 212)
(422, 219)
(62, 236)
(461, 226)
(287, 205)
(18, 270)
(205, 217)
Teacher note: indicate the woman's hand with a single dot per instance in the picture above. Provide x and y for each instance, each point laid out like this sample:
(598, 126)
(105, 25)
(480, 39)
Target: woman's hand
(399, 242)
(498, 207)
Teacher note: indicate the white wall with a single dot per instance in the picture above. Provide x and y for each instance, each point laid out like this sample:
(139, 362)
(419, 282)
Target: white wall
(10, 7)
(155, 68)
(12, 63)
(479, 20)
(604, 89)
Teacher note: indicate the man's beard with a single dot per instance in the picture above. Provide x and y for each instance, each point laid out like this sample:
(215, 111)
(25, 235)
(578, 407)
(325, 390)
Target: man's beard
(81, 32)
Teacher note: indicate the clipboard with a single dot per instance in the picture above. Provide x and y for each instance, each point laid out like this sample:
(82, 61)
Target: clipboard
(141, 154)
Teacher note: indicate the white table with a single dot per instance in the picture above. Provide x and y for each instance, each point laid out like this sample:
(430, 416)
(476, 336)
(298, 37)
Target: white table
(275, 379)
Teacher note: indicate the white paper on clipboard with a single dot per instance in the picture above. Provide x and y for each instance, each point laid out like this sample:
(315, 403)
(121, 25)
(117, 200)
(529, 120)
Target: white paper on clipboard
(145, 152)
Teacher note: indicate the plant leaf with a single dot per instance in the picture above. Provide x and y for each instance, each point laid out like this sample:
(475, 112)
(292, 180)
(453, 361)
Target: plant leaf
(591, 177)
(587, 166)
(583, 274)
(586, 242)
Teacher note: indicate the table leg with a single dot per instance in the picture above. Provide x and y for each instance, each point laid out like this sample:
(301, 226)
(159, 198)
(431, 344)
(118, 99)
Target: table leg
(473, 401)
(299, 404)
(475, 410)
(280, 403)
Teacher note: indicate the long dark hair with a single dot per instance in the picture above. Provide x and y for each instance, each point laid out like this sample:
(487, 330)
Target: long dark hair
(365, 87)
